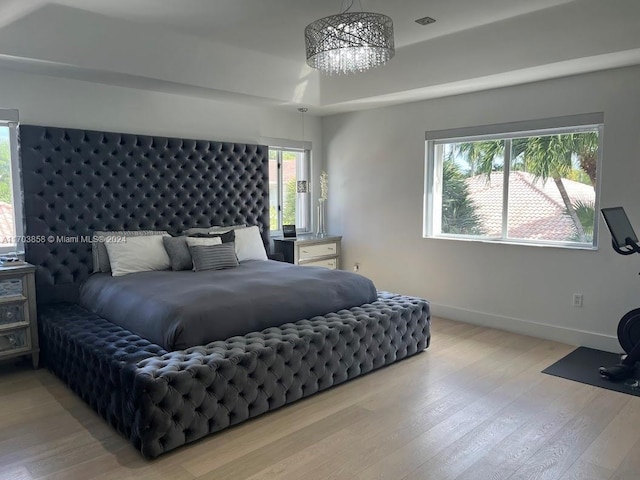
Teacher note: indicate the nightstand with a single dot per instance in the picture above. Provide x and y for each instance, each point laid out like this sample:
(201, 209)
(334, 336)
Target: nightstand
(310, 250)
(18, 316)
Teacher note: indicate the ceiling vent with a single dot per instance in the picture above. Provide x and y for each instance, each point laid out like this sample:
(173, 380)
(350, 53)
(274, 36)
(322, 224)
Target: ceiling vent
(425, 20)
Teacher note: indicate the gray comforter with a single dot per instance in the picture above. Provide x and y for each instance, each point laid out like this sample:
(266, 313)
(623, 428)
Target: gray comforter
(177, 310)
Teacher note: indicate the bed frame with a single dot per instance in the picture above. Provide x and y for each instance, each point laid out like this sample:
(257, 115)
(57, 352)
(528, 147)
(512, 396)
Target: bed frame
(78, 181)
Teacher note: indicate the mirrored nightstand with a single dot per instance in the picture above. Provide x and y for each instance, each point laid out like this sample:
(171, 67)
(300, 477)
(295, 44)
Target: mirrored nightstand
(310, 250)
(18, 316)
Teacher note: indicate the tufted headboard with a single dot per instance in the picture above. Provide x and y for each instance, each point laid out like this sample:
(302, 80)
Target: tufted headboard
(78, 181)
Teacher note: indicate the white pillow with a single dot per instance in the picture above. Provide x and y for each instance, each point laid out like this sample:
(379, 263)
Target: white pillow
(99, 251)
(137, 254)
(202, 241)
(249, 244)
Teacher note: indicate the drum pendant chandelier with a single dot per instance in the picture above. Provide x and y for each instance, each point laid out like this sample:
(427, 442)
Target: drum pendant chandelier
(349, 42)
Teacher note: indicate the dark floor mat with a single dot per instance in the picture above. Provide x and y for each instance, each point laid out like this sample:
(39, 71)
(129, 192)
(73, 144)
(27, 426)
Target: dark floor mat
(582, 365)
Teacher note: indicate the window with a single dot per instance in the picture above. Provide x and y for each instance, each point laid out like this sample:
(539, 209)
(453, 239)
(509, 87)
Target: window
(523, 185)
(288, 188)
(10, 195)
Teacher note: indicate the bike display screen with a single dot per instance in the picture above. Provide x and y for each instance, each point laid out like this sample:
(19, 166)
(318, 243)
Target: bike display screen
(619, 225)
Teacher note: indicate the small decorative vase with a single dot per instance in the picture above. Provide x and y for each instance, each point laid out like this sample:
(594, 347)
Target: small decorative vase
(320, 233)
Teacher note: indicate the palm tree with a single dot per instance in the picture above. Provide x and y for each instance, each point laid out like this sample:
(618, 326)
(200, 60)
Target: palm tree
(459, 214)
(481, 156)
(587, 146)
(545, 157)
(586, 211)
(551, 157)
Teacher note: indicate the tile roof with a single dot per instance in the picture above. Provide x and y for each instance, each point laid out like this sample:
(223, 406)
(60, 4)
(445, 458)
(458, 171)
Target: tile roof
(536, 209)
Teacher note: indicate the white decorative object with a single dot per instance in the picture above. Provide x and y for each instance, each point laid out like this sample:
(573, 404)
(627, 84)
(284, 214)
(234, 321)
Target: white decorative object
(324, 186)
(321, 232)
(324, 192)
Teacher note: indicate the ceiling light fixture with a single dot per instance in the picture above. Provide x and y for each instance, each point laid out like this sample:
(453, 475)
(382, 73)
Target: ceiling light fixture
(349, 42)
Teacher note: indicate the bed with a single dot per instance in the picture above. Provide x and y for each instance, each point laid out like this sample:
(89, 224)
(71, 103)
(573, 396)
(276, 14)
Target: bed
(163, 392)
(179, 310)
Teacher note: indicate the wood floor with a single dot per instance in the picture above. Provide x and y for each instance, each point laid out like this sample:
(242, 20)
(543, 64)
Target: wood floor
(473, 407)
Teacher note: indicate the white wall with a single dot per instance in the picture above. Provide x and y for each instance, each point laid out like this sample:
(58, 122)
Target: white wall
(375, 162)
(54, 101)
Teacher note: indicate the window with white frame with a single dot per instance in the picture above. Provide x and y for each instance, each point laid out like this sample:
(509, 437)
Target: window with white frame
(10, 194)
(289, 188)
(530, 182)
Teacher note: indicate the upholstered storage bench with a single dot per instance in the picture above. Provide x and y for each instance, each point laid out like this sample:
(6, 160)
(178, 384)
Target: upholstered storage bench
(161, 400)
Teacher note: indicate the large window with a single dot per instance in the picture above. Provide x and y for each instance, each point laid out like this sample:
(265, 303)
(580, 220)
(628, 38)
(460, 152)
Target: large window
(288, 188)
(536, 186)
(10, 197)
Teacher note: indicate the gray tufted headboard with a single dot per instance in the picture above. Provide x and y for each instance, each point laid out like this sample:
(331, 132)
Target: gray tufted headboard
(79, 181)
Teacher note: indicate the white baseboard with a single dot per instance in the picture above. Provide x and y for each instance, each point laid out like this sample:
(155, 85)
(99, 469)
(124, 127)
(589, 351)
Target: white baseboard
(526, 327)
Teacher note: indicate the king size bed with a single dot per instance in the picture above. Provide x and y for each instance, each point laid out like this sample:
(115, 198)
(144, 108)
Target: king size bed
(168, 357)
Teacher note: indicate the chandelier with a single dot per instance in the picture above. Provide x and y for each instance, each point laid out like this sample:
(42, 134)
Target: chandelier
(349, 42)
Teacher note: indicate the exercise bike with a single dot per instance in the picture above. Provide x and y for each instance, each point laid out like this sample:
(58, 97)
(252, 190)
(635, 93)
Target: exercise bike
(624, 242)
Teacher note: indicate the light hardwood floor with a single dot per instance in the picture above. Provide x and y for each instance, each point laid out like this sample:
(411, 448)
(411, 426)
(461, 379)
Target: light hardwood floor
(473, 407)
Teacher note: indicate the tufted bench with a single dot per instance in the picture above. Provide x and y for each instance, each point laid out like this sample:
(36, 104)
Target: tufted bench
(161, 400)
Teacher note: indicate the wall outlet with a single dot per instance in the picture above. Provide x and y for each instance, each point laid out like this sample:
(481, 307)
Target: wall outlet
(356, 267)
(577, 300)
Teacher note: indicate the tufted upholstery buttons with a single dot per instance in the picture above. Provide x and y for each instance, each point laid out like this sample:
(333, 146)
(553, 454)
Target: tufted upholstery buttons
(161, 400)
(79, 181)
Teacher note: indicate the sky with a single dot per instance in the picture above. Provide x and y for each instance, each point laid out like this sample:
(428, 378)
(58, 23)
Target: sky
(4, 133)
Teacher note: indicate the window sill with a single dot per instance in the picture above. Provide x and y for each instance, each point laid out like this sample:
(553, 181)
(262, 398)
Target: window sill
(11, 250)
(522, 243)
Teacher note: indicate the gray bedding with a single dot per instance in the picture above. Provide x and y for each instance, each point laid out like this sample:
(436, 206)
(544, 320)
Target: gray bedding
(177, 310)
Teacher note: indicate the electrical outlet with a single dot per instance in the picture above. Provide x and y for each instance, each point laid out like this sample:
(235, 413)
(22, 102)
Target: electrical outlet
(356, 267)
(577, 300)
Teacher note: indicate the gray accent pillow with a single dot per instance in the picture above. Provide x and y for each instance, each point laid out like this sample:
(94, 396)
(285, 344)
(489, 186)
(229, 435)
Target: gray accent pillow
(178, 249)
(214, 257)
(99, 250)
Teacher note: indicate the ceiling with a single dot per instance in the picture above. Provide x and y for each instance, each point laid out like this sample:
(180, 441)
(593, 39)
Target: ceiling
(253, 50)
(276, 27)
